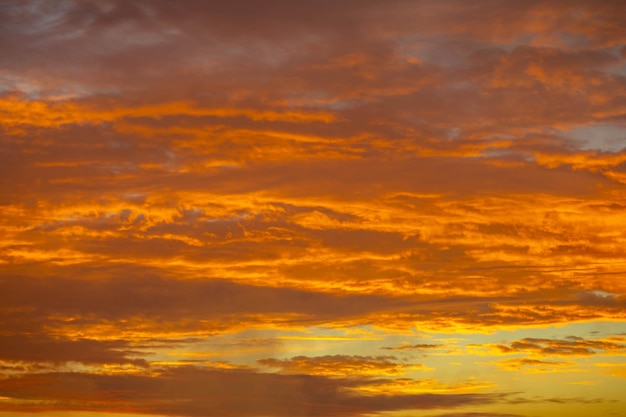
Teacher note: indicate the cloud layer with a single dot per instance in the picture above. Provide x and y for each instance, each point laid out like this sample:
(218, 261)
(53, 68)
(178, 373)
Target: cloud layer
(312, 208)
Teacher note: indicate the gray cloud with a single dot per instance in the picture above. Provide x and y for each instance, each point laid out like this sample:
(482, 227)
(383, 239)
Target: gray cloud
(188, 391)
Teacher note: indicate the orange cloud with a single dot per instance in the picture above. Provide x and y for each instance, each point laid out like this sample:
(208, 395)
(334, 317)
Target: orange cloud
(196, 194)
(536, 366)
(340, 365)
(570, 346)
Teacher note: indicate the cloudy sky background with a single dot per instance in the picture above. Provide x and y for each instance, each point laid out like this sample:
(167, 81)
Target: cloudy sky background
(312, 208)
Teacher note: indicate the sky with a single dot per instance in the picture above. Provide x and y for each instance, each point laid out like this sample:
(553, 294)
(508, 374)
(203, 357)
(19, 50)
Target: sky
(278, 208)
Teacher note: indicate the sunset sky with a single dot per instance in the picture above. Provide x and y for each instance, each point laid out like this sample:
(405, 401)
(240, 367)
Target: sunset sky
(286, 208)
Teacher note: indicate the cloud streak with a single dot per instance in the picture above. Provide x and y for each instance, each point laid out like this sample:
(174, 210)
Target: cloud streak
(192, 392)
